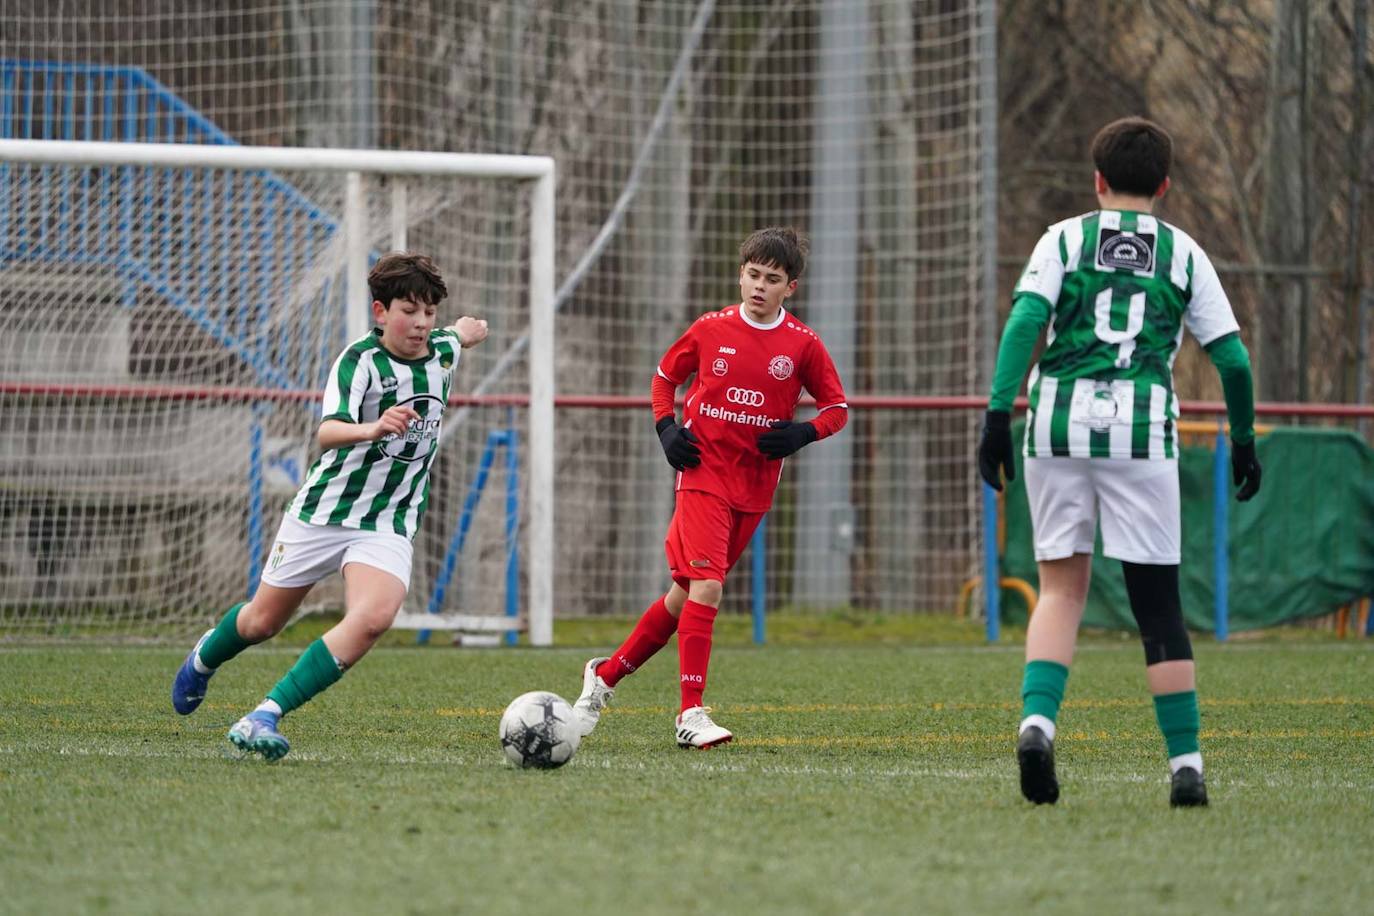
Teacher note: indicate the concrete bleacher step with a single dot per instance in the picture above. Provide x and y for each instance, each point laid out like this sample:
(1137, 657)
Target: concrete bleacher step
(63, 325)
(91, 488)
(71, 327)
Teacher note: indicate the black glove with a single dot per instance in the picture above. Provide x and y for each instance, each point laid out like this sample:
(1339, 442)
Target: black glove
(1245, 469)
(786, 438)
(995, 449)
(678, 444)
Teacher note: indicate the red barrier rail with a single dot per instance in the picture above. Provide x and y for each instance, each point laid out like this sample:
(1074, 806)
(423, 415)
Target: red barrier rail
(610, 401)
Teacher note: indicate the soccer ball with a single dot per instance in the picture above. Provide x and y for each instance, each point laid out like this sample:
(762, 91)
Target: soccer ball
(538, 729)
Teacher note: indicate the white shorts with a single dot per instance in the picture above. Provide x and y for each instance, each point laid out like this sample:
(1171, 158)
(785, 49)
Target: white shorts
(1138, 500)
(304, 554)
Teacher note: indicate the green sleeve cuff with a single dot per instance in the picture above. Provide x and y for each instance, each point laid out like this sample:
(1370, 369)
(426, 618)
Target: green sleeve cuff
(1029, 315)
(1233, 365)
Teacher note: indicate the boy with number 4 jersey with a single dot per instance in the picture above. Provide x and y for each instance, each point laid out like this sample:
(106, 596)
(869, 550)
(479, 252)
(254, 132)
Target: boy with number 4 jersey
(1116, 287)
(751, 362)
(360, 505)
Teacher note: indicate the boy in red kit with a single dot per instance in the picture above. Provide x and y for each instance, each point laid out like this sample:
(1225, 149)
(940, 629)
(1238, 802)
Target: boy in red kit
(751, 362)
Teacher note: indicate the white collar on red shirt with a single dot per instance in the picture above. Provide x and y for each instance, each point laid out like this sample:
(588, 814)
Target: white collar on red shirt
(782, 313)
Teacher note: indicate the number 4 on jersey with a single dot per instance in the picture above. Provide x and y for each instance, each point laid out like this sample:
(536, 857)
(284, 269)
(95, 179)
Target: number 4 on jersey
(1125, 338)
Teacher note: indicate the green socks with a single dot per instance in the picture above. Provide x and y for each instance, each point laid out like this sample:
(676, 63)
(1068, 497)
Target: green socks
(1042, 689)
(1180, 722)
(224, 642)
(315, 670)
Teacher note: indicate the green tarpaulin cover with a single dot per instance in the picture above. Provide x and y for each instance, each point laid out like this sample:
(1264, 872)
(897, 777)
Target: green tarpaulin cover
(1302, 547)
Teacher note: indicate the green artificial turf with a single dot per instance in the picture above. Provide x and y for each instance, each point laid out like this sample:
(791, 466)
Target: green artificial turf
(864, 779)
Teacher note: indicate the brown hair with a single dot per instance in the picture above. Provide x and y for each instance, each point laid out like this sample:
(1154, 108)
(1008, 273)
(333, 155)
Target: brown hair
(1133, 155)
(402, 275)
(776, 246)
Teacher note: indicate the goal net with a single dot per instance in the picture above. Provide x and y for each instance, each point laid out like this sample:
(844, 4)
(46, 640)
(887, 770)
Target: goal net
(170, 313)
(678, 127)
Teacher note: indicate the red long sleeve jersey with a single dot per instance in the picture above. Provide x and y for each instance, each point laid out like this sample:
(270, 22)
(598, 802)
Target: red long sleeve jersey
(747, 376)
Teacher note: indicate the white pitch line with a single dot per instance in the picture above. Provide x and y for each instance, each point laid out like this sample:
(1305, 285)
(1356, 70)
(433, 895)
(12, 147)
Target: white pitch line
(998, 772)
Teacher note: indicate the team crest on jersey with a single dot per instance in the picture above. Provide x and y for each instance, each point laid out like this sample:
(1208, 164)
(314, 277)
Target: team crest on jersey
(421, 436)
(389, 383)
(1100, 407)
(780, 367)
(720, 366)
(446, 361)
(1120, 250)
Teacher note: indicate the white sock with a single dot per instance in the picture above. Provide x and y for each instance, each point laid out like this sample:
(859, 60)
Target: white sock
(1193, 760)
(200, 666)
(269, 706)
(1040, 722)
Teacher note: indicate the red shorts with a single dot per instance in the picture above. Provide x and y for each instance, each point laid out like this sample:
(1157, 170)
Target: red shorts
(706, 537)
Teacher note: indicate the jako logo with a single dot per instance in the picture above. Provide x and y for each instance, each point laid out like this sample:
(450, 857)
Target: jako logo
(693, 679)
(728, 351)
(745, 397)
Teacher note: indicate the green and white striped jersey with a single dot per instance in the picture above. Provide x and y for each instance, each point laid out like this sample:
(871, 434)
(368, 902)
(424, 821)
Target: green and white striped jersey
(382, 485)
(1121, 286)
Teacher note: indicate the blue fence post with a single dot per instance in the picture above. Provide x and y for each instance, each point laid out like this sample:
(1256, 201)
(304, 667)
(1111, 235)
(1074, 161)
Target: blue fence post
(460, 534)
(254, 503)
(512, 528)
(6, 114)
(1221, 534)
(759, 578)
(126, 195)
(992, 573)
(64, 221)
(45, 132)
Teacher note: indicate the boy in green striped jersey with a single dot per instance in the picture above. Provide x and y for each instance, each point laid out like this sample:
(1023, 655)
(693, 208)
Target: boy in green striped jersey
(1115, 287)
(360, 504)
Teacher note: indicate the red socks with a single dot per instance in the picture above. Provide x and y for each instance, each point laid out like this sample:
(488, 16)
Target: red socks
(652, 632)
(694, 650)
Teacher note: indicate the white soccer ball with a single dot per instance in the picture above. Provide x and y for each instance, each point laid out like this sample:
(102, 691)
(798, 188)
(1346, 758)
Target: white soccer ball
(538, 729)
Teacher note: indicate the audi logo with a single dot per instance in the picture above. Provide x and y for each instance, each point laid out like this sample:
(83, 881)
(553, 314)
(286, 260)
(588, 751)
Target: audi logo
(745, 397)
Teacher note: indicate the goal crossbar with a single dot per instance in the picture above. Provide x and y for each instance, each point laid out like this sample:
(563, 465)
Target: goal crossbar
(285, 158)
(537, 171)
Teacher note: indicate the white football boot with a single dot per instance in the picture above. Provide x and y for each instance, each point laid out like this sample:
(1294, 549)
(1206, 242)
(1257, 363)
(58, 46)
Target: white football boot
(695, 729)
(594, 697)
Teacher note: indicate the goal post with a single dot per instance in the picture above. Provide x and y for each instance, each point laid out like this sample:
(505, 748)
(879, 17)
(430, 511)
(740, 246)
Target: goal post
(164, 301)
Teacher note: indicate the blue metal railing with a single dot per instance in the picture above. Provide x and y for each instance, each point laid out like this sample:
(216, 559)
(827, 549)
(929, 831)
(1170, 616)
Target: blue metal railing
(502, 438)
(224, 290)
(214, 247)
(167, 231)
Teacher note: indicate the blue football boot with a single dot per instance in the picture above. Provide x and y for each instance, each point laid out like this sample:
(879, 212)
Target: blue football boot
(256, 733)
(189, 687)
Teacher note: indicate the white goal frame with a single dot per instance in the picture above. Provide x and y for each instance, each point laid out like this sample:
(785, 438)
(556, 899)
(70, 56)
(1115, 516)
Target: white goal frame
(537, 171)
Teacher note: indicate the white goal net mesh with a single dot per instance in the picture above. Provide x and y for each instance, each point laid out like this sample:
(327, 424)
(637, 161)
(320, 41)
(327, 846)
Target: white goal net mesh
(677, 126)
(167, 334)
